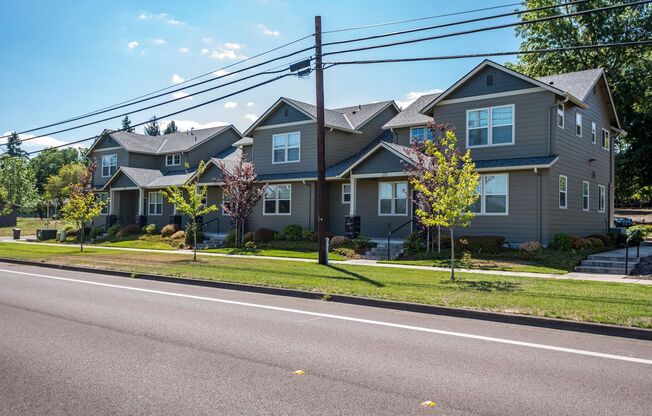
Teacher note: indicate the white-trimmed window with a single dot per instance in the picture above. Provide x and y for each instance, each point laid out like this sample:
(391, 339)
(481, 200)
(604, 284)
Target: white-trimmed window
(392, 198)
(225, 201)
(601, 198)
(560, 115)
(563, 191)
(585, 195)
(286, 147)
(420, 134)
(346, 193)
(578, 124)
(492, 126)
(173, 160)
(276, 200)
(605, 139)
(155, 203)
(493, 191)
(109, 165)
(104, 197)
(594, 132)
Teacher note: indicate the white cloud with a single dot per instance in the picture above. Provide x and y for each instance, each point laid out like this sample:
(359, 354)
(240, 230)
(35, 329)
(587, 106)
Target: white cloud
(133, 44)
(251, 117)
(267, 31)
(177, 79)
(227, 54)
(184, 125)
(204, 51)
(221, 73)
(184, 50)
(165, 17)
(233, 46)
(207, 40)
(174, 22)
(251, 104)
(144, 17)
(230, 104)
(411, 97)
(158, 41)
(181, 94)
(42, 142)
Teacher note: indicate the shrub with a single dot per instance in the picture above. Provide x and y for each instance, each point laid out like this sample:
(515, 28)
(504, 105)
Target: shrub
(169, 229)
(530, 246)
(277, 237)
(190, 236)
(362, 244)
(264, 235)
(229, 240)
(128, 230)
(482, 244)
(150, 229)
(561, 241)
(606, 241)
(179, 235)
(595, 242)
(642, 232)
(96, 232)
(339, 241)
(349, 253)
(309, 235)
(250, 246)
(292, 232)
(113, 230)
(248, 237)
(445, 241)
(577, 243)
(71, 232)
(617, 238)
(414, 243)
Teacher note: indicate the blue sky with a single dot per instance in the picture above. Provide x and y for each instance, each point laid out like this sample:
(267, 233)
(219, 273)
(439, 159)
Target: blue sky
(65, 58)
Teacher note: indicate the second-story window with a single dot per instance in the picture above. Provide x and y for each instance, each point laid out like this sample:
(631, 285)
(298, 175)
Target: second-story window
(109, 165)
(601, 198)
(594, 132)
(420, 134)
(286, 147)
(560, 115)
(585, 196)
(493, 126)
(173, 160)
(578, 124)
(605, 139)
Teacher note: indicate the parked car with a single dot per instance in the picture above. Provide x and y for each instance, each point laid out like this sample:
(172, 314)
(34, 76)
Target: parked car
(623, 222)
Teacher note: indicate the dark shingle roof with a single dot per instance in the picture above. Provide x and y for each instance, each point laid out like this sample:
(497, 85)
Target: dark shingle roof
(515, 162)
(167, 143)
(140, 176)
(576, 83)
(411, 115)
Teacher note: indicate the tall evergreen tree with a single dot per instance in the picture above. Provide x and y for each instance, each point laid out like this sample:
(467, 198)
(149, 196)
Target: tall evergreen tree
(152, 128)
(126, 125)
(13, 146)
(171, 128)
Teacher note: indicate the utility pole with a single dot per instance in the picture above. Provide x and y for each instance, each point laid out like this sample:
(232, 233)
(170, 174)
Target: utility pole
(321, 148)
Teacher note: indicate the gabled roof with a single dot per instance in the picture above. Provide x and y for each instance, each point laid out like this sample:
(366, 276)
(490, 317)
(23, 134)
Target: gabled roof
(347, 119)
(577, 101)
(150, 178)
(163, 144)
(412, 114)
(245, 141)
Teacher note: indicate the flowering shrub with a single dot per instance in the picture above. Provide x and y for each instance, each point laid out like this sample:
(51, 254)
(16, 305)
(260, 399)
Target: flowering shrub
(530, 246)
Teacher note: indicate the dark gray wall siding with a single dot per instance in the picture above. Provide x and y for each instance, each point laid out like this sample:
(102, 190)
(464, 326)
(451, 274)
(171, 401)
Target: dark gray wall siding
(106, 142)
(374, 225)
(122, 181)
(159, 220)
(208, 149)
(308, 152)
(477, 85)
(337, 211)
(302, 204)
(279, 117)
(144, 161)
(127, 204)
(123, 160)
(382, 161)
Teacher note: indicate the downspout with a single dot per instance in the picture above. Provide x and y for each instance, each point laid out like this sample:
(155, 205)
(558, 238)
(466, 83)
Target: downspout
(539, 202)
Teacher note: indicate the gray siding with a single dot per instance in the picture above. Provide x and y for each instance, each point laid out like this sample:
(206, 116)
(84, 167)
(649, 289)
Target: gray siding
(279, 116)
(262, 149)
(374, 225)
(208, 149)
(144, 161)
(123, 160)
(159, 220)
(382, 161)
(302, 206)
(122, 181)
(127, 206)
(337, 211)
(477, 84)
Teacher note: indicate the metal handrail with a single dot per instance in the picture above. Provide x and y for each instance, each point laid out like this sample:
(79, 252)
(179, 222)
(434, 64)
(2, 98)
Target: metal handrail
(638, 248)
(213, 220)
(389, 236)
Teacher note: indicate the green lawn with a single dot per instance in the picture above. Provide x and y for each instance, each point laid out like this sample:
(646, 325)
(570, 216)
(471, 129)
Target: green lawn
(273, 252)
(612, 303)
(28, 226)
(153, 245)
(484, 264)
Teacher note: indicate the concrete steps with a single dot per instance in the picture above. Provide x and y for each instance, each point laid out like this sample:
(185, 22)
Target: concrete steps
(210, 243)
(380, 251)
(607, 264)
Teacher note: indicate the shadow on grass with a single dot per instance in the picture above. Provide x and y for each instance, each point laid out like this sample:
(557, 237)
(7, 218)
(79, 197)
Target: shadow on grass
(486, 285)
(357, 276)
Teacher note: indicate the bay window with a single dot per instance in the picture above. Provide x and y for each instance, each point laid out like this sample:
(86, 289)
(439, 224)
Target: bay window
(392, 198)
(286, 147)
(276, 200)
(492, 126)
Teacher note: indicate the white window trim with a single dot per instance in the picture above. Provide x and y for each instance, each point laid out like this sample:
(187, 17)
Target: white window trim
(608, 139)
(286, 148)
(349, 193)
(564, 192)
(276, 199)
(482, 197)
(579, 116)
(588, 196)
(103, 165)
(150, 205)
(224, 201)
(490, 127)
(106, 201)
(412, 135)
(393, 213)
(594, 132)
(560, 112)
(172, 156)
(602, 198)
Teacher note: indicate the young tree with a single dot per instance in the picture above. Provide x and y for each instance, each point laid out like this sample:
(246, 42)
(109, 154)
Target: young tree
(50, 161)
(13, 146)
(19, 181)
(171, 128)
(190, 200)
(152, 128)
(126, 125)
(5, 206)
(58, 187)
(240, 190)
(82, 204)
(449, 187)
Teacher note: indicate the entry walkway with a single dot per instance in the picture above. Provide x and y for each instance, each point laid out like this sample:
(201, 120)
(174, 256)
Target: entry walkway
(374, 263)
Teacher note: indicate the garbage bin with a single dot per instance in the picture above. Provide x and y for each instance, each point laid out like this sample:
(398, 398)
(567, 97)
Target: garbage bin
(16, 233)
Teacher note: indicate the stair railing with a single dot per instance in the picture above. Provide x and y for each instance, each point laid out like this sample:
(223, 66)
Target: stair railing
(389, 236)
(216, 219)
(638, 248)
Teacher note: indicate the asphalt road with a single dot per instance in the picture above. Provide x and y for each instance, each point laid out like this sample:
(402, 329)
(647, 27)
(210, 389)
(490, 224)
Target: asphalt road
(86, 344)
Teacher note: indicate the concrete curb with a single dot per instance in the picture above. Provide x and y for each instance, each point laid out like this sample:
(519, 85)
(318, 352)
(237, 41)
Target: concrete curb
(550, 323)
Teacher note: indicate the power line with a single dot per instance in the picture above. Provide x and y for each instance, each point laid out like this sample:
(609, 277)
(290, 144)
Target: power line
(163, 94)
(487, 28)
(490, 54)
(268, 81)
(122, 103)
(456, 23)
(396, 22)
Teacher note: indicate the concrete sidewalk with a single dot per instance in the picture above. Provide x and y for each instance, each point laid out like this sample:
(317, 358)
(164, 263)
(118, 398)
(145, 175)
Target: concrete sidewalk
(374, 263)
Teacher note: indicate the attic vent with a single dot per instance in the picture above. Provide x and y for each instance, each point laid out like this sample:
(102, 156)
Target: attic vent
(490, 80)
(551, 82)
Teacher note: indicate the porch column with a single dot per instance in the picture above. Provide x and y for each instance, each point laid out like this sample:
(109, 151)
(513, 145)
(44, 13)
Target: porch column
(141, 201)
(352, 205)
(111, 202)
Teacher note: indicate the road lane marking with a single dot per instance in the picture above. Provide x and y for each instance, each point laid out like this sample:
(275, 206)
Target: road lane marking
(347, 318)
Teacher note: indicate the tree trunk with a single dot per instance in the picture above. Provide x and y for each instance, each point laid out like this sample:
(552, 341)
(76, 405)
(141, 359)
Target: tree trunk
(452, 256)
(81, 237)
(194, 237)
(438, 239)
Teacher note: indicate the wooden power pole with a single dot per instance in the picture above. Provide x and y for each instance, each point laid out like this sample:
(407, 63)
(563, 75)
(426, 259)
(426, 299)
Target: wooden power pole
(321, 146)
